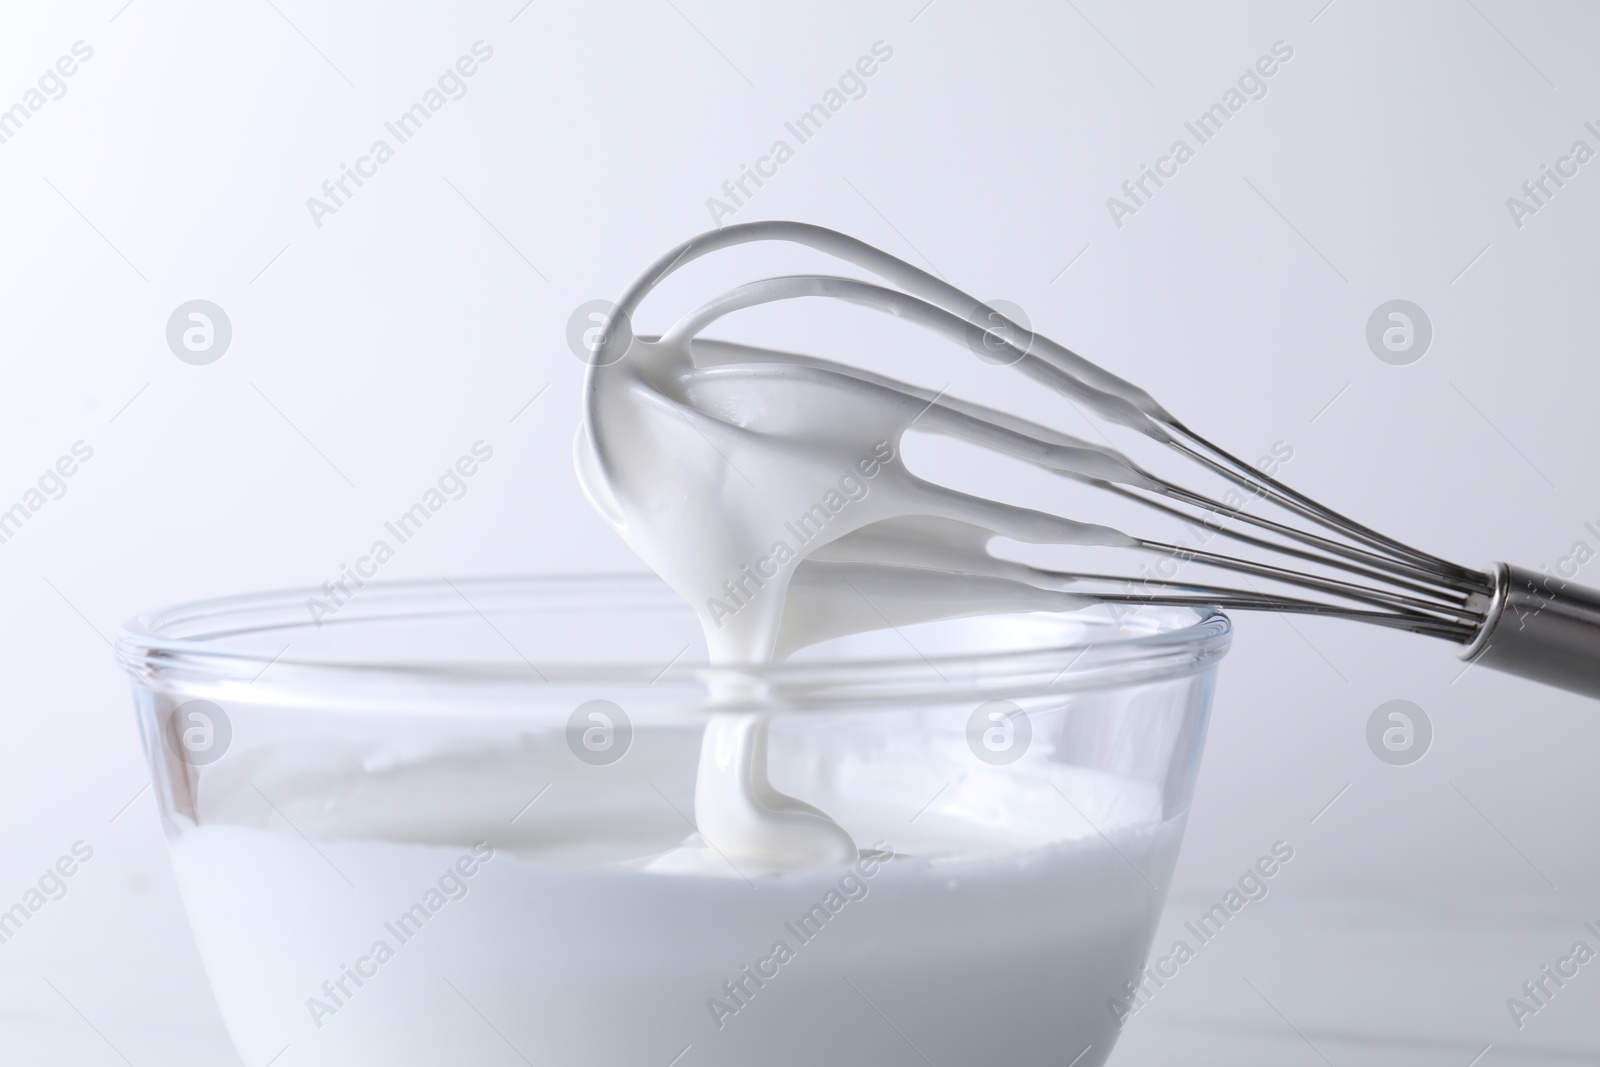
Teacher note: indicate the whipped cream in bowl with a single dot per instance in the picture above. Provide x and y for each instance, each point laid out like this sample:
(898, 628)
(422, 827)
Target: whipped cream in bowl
(838, 784)
(490, 822)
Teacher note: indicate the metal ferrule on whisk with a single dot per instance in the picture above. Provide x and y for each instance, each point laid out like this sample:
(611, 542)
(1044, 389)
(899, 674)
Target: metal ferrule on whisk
(1541, 628)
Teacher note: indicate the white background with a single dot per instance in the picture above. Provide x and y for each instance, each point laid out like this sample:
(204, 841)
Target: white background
(369, 352)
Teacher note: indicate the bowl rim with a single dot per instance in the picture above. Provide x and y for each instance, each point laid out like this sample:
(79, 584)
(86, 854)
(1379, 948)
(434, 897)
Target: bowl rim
(159, 643)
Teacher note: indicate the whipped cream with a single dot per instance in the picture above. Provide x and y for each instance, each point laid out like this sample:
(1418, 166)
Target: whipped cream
(411, 963)
(768, 490)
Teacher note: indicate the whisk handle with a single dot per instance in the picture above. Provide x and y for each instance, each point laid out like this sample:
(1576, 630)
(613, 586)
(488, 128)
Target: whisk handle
(1542, 628)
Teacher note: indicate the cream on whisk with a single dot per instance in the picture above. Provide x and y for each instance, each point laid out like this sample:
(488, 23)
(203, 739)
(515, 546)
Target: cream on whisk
(768, 490)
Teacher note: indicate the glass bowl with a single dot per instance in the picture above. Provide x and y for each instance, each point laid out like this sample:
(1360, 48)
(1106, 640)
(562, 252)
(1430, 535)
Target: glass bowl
(443, 822)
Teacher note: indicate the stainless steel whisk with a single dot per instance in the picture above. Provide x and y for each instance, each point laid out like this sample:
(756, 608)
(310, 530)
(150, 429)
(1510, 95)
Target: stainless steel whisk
(1506, 618)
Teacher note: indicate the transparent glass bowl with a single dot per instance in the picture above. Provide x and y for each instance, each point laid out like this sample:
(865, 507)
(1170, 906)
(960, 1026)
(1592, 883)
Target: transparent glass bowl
(444, 822)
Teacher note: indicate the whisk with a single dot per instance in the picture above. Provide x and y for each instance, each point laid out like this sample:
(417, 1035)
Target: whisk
(1506, 618)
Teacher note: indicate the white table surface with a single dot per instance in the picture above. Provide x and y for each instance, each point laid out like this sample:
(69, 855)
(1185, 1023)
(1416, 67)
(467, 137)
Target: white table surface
(1373, 982)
